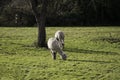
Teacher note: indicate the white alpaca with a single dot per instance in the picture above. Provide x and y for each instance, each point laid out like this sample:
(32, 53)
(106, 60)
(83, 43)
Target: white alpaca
(59, 35)
(54, 47)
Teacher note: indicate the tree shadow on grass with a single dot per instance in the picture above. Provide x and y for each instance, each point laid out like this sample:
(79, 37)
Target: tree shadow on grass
(101, 62)
(76, 50)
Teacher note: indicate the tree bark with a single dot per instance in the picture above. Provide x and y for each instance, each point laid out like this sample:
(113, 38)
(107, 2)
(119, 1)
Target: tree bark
(40, 19)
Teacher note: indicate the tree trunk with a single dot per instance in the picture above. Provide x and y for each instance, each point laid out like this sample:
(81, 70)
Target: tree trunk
(41, 25)
(40, 19)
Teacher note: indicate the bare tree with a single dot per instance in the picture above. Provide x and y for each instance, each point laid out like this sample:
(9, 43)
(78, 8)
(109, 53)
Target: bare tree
(40, 19)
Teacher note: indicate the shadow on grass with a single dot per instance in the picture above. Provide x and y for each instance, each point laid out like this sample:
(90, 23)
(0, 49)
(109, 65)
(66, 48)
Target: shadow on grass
(76, 50)
(101, 62)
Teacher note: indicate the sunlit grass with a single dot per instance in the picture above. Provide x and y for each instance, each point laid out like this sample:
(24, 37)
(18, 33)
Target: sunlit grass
(93, 54)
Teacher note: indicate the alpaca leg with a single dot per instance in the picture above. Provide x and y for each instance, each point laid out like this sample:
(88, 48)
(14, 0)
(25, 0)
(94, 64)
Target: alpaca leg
(64, 57)
(53, 55)
(62, 54)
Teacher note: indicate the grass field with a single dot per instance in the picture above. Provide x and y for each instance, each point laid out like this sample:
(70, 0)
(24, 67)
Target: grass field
(93, 54)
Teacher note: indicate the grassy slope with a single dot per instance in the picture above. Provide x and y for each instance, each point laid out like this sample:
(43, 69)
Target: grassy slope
(91, 56)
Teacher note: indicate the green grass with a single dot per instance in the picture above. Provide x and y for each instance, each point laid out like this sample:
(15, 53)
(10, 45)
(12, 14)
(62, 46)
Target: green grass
(93, 54)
